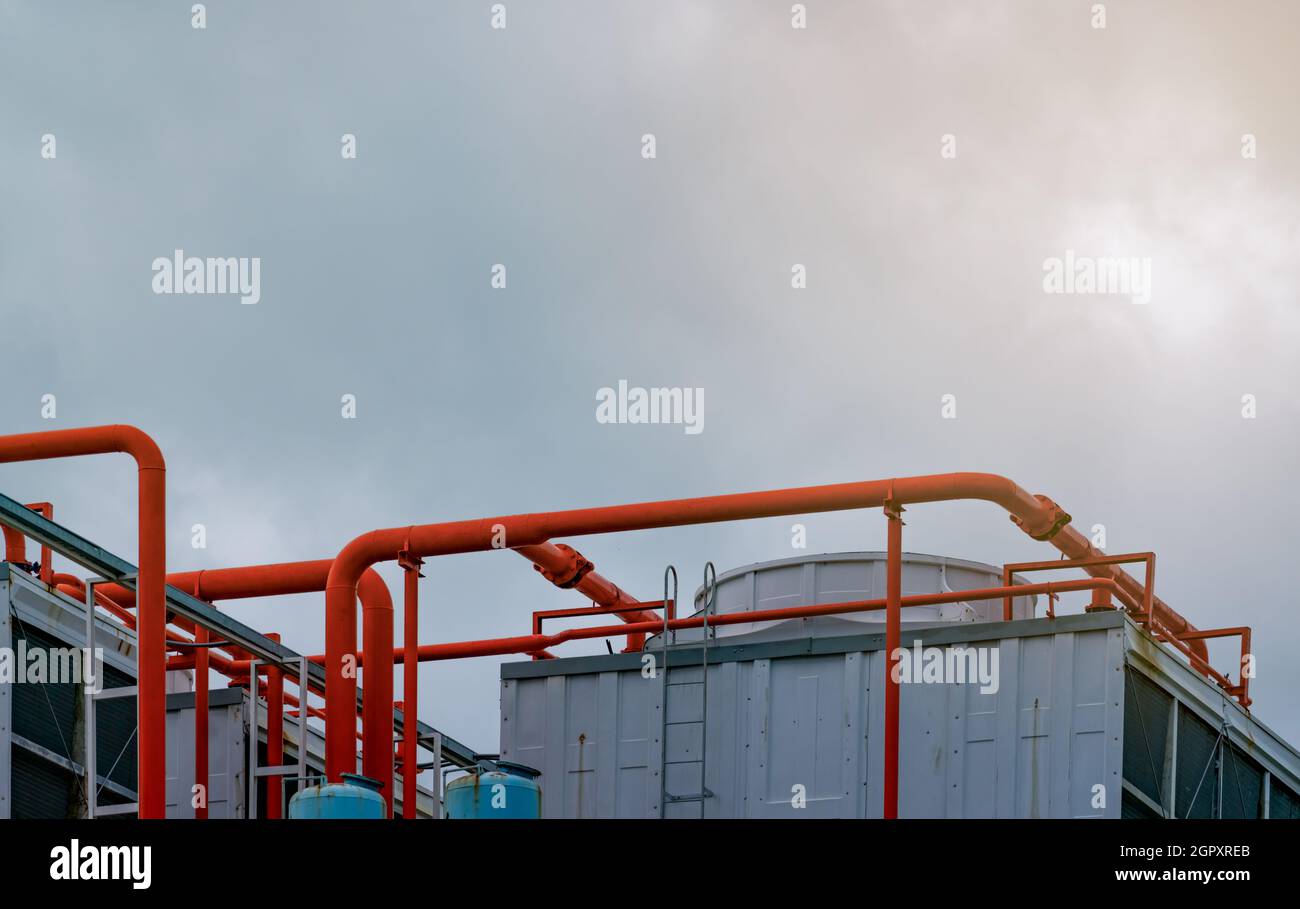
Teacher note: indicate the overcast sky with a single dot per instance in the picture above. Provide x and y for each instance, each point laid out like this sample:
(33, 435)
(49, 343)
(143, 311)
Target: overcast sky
(775, 146)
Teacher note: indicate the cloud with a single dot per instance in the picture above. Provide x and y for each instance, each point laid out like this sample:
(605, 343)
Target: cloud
(775, 147)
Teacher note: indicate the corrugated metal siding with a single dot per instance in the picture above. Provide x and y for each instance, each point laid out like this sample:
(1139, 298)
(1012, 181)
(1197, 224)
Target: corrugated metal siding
(1037, 747)
(41, 789)
(46, 714)
(1146, 734)
(1243, 784)
(1134, 809)
(1283, 804)
(1197, 774)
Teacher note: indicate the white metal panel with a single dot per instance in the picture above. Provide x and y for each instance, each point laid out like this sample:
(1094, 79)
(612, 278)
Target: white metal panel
(811, 723)
(226, 750)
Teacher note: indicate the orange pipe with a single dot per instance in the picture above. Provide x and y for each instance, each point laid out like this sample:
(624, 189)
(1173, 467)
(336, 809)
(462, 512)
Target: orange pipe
(47, 556)
(283, 578)
(893, 643)
(564, 566)
(237, 672)
(377, 695)
(528, 643)
(1141, 607)
(230, 667)
(74, 587)
(274, 733)
(16, 544)
(410, 684)
(151, 657)
(1036, 515)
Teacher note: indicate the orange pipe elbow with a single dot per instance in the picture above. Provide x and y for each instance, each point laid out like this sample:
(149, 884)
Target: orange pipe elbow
(151, 669)
(565, 567)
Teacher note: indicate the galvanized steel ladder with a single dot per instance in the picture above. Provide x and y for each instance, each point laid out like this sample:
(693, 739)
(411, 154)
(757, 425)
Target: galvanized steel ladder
(284, 773)
(670, 596)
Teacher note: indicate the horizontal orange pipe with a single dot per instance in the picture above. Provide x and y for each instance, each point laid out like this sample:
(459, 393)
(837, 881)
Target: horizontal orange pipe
(74, 587)
(237, 672)
(243, 583)
(1037, 516)
(531, 642)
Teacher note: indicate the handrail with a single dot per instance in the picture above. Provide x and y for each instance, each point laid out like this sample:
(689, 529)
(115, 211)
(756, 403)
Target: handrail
(99, 561)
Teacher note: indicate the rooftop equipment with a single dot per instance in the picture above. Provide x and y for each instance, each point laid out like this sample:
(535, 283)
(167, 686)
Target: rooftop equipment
(356, 798)
(531, 535)
(1081, 715)
(495, 790)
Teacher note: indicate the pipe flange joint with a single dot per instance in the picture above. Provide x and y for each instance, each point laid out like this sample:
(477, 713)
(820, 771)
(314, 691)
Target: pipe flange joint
(408, 562)
(574, 570)
(1060, 517)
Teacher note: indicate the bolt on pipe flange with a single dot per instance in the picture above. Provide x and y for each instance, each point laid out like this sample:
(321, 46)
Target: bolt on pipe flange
(1060, 517)
(574, 571)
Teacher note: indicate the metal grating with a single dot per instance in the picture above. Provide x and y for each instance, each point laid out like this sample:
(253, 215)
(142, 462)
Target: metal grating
(1243, 784)
(1132, 808)
(1198, 770)
(48, 714)
(1146, 734)
(41, 789)
(1283, 804)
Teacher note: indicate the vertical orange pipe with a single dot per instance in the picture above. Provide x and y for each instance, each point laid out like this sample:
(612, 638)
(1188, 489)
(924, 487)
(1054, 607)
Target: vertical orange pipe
(410, 684)
(47, 556)
(201, 718)
(151, 631)
(340, 684)
(151, 655)
(893, 642)
(274, 734)
(377, 709)
(15, 545)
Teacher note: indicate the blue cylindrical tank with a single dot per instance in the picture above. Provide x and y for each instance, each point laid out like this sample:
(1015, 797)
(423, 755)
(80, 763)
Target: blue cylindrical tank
(357, 797)
(495, 789)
